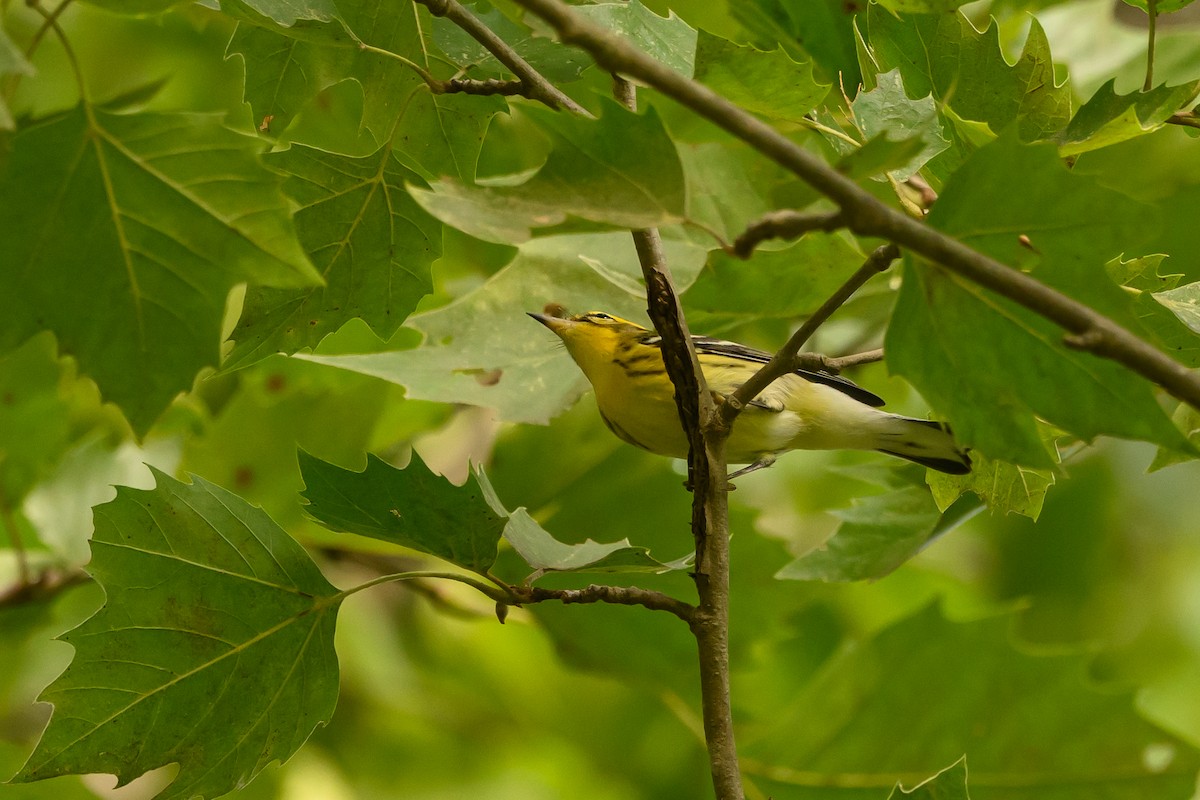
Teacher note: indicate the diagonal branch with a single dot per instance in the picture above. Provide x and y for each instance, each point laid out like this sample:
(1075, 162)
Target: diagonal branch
(784, 361)
(868, 216)
(536, 87)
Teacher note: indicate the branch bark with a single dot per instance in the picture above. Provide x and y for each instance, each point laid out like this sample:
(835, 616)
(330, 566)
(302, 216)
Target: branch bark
(707, 475)
(536, 87)
(784, 224)
(867, 216)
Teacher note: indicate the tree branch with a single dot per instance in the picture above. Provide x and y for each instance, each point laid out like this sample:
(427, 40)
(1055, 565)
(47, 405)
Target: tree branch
(47, 584)
(868, 216)
(535, 86)
(785, 360)
(1188, 119)
(818, 362)
(707, 475)
(599, 593)
(784, 224)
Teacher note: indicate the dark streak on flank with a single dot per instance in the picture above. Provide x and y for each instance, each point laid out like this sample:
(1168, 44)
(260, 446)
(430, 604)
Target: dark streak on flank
(621, 433)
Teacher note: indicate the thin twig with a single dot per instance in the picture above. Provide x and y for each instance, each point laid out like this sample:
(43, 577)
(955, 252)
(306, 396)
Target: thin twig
(817, 362)
(868, 216)
(784, 361)
(783, 224)
(599, 593)
(536, 86)
(48, 21)
(1188, 119)
(45, 585)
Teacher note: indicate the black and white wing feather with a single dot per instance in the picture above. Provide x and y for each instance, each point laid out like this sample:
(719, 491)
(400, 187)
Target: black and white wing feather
(720, 347)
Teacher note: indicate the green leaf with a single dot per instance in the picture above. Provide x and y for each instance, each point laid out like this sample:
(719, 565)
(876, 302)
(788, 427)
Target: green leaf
(412, 507)
(922, 6)
(214, 649)
(1005, 488)
(768, 83)
(1184, 303)
(878, 533)
(668, 39)
(621, 169)
(977, 357)
(728, 185)
(943, 55)
(287, 68)
(1187, 419)
(776, 284)
(886, 109)
(1008, 711)
(372, 244)
(285, 13)
(821, 28)
(545, 553)
(1108, 118)
(482, 349)
(167, 212)
(1161, 7)
(949, 784)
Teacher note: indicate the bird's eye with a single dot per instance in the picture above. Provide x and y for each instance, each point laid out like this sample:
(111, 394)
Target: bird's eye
(599, 315)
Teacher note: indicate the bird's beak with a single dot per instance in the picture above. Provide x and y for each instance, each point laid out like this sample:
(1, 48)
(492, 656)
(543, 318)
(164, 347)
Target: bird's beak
(555, 324)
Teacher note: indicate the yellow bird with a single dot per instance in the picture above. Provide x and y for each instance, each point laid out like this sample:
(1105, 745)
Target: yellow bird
(800, 411)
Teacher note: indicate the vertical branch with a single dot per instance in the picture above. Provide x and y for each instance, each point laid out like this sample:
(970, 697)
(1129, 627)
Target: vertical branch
(710, 509)
(1152, 11)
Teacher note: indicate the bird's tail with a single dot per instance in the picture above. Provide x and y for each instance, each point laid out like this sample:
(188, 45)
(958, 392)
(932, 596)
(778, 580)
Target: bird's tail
(925, 442)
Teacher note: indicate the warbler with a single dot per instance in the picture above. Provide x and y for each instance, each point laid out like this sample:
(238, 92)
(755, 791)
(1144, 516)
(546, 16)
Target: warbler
(803, 410)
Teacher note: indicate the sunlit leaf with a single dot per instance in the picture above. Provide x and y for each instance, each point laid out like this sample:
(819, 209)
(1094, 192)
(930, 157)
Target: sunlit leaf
(887, 108)
(943, 55)
(667, 39)
(1006, 488)
(949, 784)
(214, 649)
(543, 552)
(1184, 303)
(1108, 118)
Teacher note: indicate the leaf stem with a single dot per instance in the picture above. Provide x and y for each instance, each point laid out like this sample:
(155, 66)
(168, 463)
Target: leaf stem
(1152, 13)
(497, 593)
(51, 23)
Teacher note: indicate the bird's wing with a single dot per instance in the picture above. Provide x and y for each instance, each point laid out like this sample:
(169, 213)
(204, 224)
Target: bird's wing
(720, 347)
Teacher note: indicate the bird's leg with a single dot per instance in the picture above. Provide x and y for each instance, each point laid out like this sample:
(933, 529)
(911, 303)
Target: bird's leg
(764, 461)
